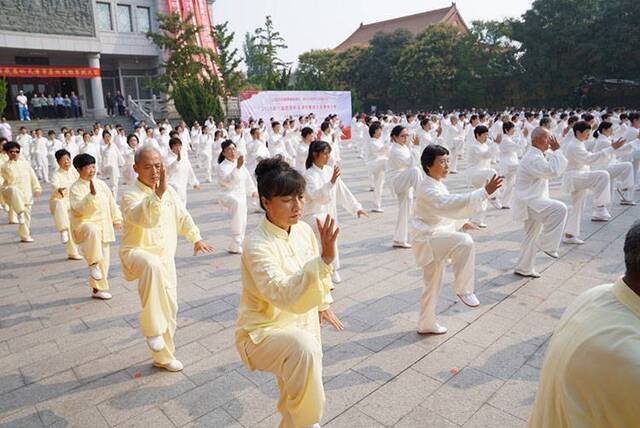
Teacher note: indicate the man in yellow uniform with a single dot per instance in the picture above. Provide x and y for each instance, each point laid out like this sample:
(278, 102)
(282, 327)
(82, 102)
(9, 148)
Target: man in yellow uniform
(591, 371)
(94, 217)
(61, 182)
(153, 218)
(19, 186)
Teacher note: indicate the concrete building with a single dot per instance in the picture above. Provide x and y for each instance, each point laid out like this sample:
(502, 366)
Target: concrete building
(415, 24)
(90, 47)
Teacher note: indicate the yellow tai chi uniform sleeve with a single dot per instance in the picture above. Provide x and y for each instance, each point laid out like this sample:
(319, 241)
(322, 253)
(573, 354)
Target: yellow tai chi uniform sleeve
(59, 203)
(20, 183)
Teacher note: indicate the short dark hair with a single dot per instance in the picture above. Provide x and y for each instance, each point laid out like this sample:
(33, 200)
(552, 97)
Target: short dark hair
(276, 178)
(317, 146)
(373, 128)
(395, 132)
(82, 160)
(306, 131)
(62, 153)
(10, 145)
(174, 141)
(429, 155)
(223, 146)
(581, 126)
(507, 126)
(479, 130)
(632, 250)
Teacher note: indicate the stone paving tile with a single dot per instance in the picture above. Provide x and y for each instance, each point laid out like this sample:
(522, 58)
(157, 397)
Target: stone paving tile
(68, 360)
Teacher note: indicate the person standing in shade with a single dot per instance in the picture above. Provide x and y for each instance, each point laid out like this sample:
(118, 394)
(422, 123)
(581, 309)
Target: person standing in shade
(590, 373)
(153, 218)
(19, 186)
(94, 217)
(61, 182)
(544, 218)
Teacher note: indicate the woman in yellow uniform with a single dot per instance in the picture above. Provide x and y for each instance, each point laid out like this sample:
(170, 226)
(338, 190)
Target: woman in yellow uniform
(285, 294)
(61, 182)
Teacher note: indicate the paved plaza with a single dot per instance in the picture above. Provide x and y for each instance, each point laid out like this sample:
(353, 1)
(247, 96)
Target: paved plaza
(68, 360)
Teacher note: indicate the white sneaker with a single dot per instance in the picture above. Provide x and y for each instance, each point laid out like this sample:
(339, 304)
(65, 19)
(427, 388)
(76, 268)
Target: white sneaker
(64, 236)
(469, 299)
(75, 257)
(21, 218)
(156, 343)
(377, 210)
(552, 254)
(437, 329)
(235, 249)
(27, 239)
(335, 277)
(532, 274)
(102, 295)
(496, 203)
(482, 225)
(171, 366)
(573, 240)
(397, 244)
(601, 214)
(94, 272)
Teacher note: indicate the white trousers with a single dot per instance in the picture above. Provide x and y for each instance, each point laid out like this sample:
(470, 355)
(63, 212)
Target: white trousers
(401, 186)
(541, 230)
(376, 169)
(477, 179)
(621, 177)
(509, 173)
(455, 149)
(236, 205)
(41, 165)
(634, 158)
(583, 182)
(457, 247)
(205, 161)
(112, 173)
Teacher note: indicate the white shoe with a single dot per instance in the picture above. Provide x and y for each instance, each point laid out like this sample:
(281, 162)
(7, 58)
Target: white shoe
(335, 277)
(437, 329)
(64, 236)
(601, 214)
(171, 366)
(482, 225)
(496, 203)
(75, 257)
(532, 274)
(21, 218)
(27, 239)
(371, 189)
(397, 244)
(102, 295)
(94, 272)
(156, 343)
(469, 299)
(235, 249)
(552, 254)
(377, 210)
(573, 240)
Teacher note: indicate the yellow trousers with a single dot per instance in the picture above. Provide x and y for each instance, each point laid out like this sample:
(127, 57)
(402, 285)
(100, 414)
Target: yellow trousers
(158, 296)
(59, 210)
(15, 200)
(89, 239)
(295, 358)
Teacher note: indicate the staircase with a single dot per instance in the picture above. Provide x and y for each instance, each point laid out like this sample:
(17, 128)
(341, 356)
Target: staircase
(85, 123)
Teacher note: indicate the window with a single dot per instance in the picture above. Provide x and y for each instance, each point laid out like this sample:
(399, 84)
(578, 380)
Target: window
(124, 18)
(103, 16)
(143, 15)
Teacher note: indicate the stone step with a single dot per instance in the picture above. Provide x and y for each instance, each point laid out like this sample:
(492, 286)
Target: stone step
(73, 123)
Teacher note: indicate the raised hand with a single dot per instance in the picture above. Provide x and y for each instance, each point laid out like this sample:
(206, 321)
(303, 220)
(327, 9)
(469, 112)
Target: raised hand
(415, 140)
(240, 161)
(618, 143)
(493, 184)
(161, 184)
(330, 316)
(92, 188)
(202, 247)
(336, 173)
(61, 192)
(328, 236)
(553, 143)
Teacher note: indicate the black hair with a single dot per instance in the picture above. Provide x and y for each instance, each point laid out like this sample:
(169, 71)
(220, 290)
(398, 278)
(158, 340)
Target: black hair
(306, 131)
(632, 250)
(253, 131)
(174, 141)
(507, 126)
(276, 178)
(545, 120)
(603, 125)
(217, 134)
(82, 160)
(429, 155)
(274, 124)
(105, 133)
(633, 116)
(395, 132)
(324, 126)
(62, 153)
(424, 122)
(317, 146)
(224, 145)
(373, 128)
(130, 136)
(572, 120)
(479, 130)
(580, 126)
(10, 145)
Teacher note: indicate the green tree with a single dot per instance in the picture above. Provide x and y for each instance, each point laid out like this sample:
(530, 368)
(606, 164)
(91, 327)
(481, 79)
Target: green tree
(196, 99)
(227, 59)
(265, 68)
(316, 70)
(4, 87)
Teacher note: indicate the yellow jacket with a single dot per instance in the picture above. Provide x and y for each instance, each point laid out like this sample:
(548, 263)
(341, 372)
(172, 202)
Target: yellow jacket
(100, 209)
(20, 174)
(62, 179)
(153, 224)
(285, 283)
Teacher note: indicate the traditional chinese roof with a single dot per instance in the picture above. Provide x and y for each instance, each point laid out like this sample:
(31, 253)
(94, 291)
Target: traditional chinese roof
(414, 23)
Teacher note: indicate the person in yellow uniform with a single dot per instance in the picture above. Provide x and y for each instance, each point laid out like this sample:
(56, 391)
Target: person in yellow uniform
(154, 215)
(94, 217)
(61, 182)
(591, 370)
(19, 187)
(285, 296)
(3, 159)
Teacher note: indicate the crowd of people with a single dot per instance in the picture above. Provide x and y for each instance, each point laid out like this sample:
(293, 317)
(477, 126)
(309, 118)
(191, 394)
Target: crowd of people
(59, 106)
(291, 170)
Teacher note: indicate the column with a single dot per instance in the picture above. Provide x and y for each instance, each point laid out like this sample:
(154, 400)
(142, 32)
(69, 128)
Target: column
(99, 109)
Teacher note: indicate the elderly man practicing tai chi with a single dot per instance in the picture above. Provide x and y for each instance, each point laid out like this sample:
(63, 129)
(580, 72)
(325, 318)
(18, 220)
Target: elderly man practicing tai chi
(544, 218)
(154, 215)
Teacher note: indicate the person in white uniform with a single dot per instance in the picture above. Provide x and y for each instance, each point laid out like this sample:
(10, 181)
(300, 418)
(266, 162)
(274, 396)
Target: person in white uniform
(479, 156)
(403, 176)
(377, 155)
(544, 218)
(302, 149)
(579, 180)
(180, 173)
(325, 190)
(439, 226)
(510, 146)
(112, 161)
(235, 185)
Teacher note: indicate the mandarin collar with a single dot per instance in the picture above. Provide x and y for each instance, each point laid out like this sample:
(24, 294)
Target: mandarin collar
(627, 296)
(275, 230)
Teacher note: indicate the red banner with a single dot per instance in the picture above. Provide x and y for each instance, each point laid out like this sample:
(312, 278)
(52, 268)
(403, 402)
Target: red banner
(29, 71)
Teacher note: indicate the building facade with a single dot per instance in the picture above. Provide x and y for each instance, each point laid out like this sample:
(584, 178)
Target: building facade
(91, 47)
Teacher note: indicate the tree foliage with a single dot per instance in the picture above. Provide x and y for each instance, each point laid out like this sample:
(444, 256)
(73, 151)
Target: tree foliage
(196, 99)
(4, 87)
(265, 68)
(227, 60)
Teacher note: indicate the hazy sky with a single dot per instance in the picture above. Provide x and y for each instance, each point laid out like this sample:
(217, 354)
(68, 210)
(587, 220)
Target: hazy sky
(319, 24)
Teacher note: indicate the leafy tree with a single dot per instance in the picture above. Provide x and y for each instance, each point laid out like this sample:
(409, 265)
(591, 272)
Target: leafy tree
(226, 59)
(196, 99)
(316, 70)
(264, 66)
(3, 94)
